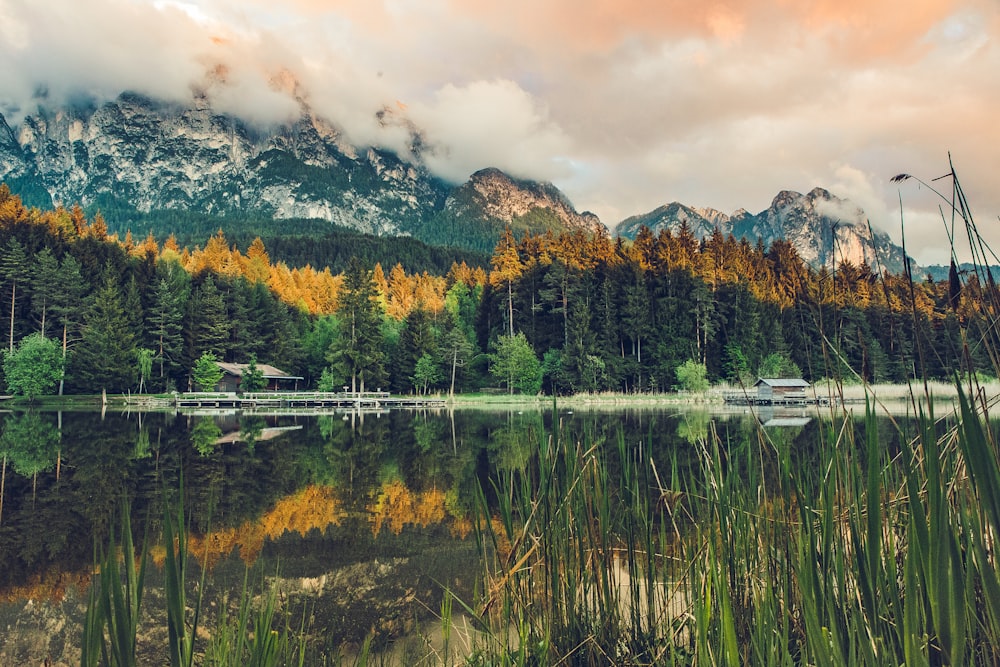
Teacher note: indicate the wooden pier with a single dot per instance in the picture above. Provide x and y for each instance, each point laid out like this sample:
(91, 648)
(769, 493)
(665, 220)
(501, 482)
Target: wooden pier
(787, 400)
(298, 400)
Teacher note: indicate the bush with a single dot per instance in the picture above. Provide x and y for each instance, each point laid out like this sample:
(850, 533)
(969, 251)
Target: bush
(35, 367)
(692, 376)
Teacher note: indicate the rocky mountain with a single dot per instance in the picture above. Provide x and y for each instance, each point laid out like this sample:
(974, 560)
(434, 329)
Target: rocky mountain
(134, 156)
(824, 229)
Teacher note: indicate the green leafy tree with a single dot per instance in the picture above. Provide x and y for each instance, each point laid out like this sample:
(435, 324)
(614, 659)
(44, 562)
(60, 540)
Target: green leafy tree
(34, 368)
(692, 376)
(426, 373)
(205, 436)
(328, 381)
(514, 364)
(144, 364)
(32, 444)
(253, 377)
(206, 372)
(778, 365)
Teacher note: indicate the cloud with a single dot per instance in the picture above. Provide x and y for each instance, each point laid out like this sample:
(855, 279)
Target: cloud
(490, 123)
(624, 104)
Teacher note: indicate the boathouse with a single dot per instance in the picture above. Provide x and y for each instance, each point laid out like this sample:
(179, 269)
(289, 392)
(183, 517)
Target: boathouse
(277, 379)
(781, 390)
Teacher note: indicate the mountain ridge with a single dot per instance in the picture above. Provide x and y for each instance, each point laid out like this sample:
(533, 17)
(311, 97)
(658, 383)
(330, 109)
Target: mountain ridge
(134, 155)
(823, 228)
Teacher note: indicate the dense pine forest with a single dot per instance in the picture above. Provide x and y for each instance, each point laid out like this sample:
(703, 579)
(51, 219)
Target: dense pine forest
(555, 313)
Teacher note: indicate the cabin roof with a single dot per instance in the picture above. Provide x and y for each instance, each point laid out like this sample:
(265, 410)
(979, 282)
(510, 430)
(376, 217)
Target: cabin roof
(782, 382)
(269, 372)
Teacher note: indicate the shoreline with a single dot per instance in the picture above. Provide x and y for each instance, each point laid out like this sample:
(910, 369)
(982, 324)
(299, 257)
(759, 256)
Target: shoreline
(711, 398)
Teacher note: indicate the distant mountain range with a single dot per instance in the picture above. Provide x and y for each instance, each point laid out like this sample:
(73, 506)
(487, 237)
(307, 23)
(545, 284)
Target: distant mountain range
(133, 157)
(824, 229)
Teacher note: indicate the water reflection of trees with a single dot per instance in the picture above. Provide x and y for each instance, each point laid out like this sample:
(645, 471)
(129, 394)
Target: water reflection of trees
(31, 444)
(380, 474)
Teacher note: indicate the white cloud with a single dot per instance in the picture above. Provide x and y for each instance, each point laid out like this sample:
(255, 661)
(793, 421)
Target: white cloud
(625, 105)
(490, 123)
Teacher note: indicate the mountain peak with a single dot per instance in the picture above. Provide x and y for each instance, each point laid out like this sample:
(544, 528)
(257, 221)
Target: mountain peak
(512, 201)
(135, 155)
(823, 228)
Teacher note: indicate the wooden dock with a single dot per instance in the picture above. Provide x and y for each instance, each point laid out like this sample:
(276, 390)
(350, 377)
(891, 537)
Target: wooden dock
(788, 400)
(296, 400)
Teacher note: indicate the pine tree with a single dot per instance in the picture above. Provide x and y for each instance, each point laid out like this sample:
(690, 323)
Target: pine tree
(357, 352)
(164, 326)
(105, 357)
(507, 267)
(67, 305)
(15, 271)
(45, 286)
(416, 339)
(208, 321)
(253, 377)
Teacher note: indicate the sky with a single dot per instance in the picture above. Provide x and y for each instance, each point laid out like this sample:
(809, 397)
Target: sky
(625, 105)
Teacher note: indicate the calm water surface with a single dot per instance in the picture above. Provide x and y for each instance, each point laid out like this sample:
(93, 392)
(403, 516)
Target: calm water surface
(360, 519)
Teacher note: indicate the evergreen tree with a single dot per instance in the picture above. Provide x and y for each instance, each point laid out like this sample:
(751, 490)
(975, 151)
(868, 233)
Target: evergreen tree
(208, 320)
(357, 353)
(67, 305)
(416, 339)
(45, 287)
(164, 324)
(105, 357)
(16, 272)
(456, 351)
(507, 267)
(253, 377)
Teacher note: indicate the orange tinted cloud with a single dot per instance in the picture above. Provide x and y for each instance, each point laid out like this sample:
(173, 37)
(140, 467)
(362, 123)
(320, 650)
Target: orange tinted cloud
(625, 105)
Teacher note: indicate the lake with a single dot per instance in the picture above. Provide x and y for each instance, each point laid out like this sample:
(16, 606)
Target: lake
(360, 519)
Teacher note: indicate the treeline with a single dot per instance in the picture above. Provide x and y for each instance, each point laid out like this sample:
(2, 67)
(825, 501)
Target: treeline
(610, 315)
(296, 242)
(562, 313)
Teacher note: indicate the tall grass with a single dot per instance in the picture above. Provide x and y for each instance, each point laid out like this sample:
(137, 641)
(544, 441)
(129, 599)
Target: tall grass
(114, 615)
(858, 555)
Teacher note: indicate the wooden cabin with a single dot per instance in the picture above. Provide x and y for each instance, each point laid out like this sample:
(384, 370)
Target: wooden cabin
(276, 379)
(781, 390)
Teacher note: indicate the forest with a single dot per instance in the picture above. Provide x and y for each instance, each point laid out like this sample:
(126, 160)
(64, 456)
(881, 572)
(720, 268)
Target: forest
(554, 312)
